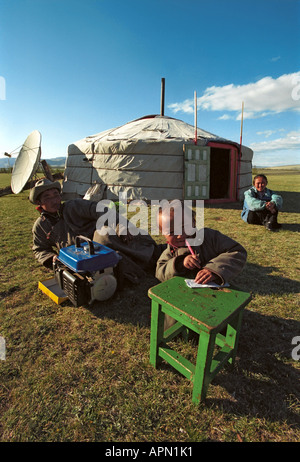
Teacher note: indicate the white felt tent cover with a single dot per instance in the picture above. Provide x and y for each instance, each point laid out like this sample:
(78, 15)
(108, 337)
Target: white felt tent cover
(143, 158)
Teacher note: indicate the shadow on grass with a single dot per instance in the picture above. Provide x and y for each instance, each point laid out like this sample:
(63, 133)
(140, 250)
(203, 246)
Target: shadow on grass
(262, 383)
(260, 280)
(291, 201)
(225, 205)
(294, 227)
(132, 304)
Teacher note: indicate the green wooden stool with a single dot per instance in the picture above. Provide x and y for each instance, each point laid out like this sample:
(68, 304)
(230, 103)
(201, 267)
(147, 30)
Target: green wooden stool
(205, 311)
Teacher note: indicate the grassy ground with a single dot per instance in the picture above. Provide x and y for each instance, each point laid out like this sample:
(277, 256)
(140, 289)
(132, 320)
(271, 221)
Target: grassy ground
(83, 374)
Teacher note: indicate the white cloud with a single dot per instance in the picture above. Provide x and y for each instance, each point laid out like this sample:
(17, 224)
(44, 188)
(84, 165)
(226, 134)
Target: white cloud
(276, 58)
(290, 141)
(266, 133)
(186, 106)
(224, 117)
(261, 98)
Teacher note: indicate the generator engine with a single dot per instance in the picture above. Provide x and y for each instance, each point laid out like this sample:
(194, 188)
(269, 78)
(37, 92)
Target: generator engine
(85, 271)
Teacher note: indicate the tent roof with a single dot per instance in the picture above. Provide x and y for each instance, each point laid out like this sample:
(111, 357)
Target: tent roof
(153, 128)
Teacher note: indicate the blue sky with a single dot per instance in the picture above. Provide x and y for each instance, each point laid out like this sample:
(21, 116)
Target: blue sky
(72, 68)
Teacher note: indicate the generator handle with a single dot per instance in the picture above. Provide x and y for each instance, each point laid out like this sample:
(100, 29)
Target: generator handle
(89, 241)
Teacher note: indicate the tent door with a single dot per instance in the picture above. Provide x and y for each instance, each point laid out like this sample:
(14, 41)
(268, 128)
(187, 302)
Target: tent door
(197, 172)
(223, 172)
(219, 173)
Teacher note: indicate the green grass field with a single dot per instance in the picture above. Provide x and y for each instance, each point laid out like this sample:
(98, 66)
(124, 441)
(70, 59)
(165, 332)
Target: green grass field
(83, 374)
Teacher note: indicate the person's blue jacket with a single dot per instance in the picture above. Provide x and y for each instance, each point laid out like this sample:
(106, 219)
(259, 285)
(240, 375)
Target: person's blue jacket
(253, 202)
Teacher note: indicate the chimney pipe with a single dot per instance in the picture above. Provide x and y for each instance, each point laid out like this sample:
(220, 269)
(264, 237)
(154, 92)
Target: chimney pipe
(162, 99)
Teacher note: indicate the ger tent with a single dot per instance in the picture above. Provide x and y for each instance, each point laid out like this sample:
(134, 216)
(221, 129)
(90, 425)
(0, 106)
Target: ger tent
(156, 157)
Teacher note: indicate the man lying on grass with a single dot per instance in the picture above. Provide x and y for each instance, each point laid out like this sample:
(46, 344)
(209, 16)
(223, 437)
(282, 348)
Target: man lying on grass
(59, 224)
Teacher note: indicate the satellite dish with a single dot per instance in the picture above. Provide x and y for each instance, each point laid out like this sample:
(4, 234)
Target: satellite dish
(27, 162)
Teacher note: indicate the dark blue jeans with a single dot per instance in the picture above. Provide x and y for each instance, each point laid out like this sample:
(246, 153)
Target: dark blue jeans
(263, 217)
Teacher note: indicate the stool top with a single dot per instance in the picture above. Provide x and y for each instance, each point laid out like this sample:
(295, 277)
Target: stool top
(203, 306)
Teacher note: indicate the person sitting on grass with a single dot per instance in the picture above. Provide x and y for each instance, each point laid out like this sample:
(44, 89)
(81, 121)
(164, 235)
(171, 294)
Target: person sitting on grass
(261, 205)
(217, 259)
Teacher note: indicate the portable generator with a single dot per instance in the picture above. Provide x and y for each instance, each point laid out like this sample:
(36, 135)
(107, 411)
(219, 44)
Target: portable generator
(85, 271)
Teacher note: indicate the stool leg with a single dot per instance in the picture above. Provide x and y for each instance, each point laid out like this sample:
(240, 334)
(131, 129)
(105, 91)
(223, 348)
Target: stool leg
(203, 365)
(232, 334)
(157, 332)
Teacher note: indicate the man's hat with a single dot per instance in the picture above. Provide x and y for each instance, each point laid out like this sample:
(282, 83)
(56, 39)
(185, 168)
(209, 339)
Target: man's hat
(40, 186)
